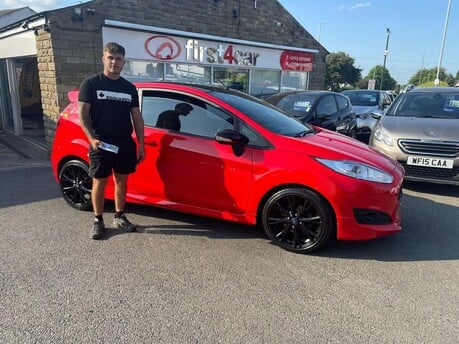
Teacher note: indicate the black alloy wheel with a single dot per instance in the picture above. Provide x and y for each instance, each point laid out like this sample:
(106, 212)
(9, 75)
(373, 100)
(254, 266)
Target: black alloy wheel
(76, 184)
(298, 220)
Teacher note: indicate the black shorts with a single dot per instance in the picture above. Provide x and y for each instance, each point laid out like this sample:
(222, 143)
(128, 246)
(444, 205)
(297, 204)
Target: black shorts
(103, 163)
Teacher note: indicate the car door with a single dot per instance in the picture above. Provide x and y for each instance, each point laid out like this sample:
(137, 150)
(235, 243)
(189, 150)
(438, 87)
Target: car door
(345, 117)
(326, 112)
(189, 167)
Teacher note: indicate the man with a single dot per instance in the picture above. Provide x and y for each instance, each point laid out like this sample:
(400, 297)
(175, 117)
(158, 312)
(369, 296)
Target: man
(108, 107)
(169, 119)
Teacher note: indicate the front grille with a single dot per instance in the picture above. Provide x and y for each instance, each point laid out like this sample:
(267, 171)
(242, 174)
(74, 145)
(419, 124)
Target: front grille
(447, 149)
(431, 172)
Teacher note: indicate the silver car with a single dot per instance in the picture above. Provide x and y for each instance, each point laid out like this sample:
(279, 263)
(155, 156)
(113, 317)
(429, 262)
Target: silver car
(421, 130)
(369, 105)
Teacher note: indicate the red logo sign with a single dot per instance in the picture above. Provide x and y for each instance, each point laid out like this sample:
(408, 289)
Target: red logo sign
(294, 60)
(162, 47)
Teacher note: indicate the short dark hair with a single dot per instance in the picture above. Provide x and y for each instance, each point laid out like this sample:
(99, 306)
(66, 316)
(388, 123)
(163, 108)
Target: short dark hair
(114, 48)
(184, 107)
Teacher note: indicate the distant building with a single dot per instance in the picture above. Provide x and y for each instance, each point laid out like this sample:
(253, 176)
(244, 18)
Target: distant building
(8, 17)
(257, 47)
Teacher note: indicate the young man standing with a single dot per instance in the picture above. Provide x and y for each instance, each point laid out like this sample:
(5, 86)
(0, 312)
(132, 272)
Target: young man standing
(108, 106)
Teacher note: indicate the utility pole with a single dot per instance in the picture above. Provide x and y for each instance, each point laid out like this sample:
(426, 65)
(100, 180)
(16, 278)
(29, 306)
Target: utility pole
(437, 80)
(385, 57)
(422, 67)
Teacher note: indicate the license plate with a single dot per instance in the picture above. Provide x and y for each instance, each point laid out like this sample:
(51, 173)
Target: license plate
(430, 162)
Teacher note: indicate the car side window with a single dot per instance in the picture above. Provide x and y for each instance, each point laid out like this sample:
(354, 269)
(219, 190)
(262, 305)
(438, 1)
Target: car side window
(342, 102)
(327, 106)
(201, 119)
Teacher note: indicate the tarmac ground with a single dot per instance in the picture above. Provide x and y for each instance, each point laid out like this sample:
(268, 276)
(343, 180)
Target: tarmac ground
(18, 150)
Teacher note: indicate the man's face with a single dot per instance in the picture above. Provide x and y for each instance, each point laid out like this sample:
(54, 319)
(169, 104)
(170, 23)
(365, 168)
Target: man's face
(113, 63)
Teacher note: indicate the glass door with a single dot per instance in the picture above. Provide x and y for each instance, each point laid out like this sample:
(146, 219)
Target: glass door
(9, 103)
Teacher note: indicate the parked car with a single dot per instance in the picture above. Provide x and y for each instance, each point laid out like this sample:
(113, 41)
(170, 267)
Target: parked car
(326, 109)
(421, 130)
(369, 105)
(241, 159)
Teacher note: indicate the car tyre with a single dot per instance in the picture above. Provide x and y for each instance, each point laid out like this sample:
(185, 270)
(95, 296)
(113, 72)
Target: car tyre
(298, 220)
(76, 184)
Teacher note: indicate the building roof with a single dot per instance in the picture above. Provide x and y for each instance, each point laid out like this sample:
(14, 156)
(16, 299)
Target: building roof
(10, 16)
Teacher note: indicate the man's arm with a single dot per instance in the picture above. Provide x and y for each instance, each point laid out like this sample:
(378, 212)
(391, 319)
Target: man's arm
(137, 120)
(85, 123)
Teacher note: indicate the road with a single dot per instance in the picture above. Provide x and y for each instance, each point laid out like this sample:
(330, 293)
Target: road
(186, 279)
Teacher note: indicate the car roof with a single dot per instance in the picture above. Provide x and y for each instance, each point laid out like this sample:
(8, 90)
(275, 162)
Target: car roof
(434, 89)
(363, 90)
(278, 96)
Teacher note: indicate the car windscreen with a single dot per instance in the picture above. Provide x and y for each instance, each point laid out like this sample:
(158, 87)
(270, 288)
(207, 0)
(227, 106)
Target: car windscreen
(426, 104)
(296, 104)
(264, 114)
(363, 98)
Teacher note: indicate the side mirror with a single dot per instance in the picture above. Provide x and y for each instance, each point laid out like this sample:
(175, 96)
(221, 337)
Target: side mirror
(233, 138)
(323, 117)
(376, 115)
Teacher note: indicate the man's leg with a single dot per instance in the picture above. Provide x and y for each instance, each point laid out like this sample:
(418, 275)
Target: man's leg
(97, 198)
(120, 191)
(120, 220)
(98, 195)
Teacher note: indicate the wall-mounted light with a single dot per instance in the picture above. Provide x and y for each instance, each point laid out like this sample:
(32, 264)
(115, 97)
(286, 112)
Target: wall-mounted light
(77, 15)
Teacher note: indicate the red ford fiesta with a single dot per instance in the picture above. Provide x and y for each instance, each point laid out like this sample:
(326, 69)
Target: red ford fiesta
(240, 159)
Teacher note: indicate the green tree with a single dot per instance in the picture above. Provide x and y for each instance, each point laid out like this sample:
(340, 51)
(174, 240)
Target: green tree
(427, 76)
(340, 70)
(378, 71)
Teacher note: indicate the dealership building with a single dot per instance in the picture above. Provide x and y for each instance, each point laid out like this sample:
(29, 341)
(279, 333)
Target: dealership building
(254, 46)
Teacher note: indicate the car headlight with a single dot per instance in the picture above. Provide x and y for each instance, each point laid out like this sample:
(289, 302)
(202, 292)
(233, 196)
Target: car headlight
(358, 170)
(381, 136)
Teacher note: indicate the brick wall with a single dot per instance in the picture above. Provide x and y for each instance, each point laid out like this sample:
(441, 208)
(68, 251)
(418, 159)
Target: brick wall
(72, 49)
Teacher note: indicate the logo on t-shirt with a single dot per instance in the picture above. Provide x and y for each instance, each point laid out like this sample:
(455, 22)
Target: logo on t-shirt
(116, 96)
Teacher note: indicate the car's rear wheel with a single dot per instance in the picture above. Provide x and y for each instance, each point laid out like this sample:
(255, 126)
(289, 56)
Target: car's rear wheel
(298, 220)
(76, 184)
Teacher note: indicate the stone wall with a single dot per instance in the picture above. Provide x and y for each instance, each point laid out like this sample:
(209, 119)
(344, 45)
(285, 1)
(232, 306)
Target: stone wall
(72, 48)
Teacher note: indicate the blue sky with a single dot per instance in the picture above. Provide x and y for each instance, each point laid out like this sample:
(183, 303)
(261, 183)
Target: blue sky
(358, 28)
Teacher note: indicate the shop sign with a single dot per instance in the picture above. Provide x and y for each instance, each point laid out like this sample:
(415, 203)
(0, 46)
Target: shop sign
(219, 53)
(177, 49)
(297, 61)
(163, 47)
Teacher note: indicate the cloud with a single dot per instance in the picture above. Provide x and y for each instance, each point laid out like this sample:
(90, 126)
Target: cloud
(359, 5)
(36, 5)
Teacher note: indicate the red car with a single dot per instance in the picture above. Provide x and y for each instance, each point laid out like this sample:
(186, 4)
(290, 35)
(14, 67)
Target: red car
(240, 159)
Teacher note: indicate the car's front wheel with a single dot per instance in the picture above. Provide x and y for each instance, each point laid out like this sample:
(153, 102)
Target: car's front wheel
(298, 220)
(76, 184)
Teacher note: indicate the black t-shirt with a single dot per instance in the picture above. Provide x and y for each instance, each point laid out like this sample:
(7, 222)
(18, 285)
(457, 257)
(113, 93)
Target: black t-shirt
(111, 103)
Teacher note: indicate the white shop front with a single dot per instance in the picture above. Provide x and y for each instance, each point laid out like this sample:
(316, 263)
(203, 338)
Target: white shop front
(261, 69)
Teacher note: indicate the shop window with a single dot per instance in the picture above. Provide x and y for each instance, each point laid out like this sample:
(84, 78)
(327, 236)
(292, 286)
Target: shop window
(141, 70)
(264, 83)
(187, 73)
(292, 81)
(236, 79)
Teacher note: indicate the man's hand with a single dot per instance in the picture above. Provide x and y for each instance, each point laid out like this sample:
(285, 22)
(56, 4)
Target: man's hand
(140, 153)
(94, 143)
